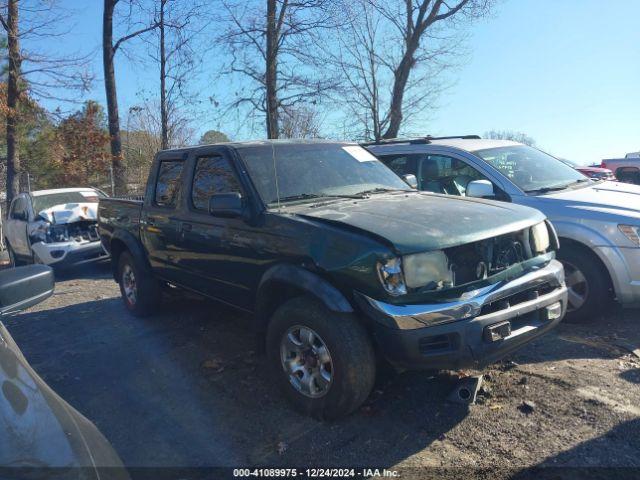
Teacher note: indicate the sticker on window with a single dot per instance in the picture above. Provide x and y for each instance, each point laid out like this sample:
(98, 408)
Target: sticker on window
(359, 153)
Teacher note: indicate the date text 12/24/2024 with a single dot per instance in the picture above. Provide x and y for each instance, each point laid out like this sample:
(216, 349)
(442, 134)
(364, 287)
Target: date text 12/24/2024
(314, 473)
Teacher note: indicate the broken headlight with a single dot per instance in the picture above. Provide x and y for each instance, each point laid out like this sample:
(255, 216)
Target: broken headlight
(540, 241)
(391, 277)
(632, 232)
(429, 269)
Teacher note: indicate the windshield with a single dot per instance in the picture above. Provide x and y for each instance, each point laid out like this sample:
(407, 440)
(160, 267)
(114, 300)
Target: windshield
(530, 169)
(42, 202)
(316, 170)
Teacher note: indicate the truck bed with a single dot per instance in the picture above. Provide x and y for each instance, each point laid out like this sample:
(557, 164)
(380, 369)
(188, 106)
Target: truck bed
(119, 213)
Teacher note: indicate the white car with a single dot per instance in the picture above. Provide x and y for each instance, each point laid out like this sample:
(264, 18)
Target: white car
(598, 222)
(55, 227)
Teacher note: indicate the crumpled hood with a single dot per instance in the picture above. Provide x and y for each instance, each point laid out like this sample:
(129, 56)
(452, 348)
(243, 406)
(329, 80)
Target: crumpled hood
(419, 222)
(70, 212)
(606, 198)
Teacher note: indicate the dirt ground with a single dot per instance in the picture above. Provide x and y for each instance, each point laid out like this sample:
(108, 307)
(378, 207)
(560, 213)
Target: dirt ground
(183, 389)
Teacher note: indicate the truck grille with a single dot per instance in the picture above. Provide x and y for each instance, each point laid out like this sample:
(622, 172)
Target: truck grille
(517, 298)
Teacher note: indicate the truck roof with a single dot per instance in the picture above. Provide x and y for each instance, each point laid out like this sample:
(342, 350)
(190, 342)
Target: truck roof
(256, 143)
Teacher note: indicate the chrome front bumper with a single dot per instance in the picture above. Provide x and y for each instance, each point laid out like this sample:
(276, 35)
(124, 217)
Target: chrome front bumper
(471, 304)
(481, 328)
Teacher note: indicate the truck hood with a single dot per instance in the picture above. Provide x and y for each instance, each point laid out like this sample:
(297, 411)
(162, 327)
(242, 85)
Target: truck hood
(609, 198)
(420, 221)
(70, 212)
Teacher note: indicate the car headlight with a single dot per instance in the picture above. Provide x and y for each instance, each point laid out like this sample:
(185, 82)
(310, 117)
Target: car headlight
(429, 268)
(632, 232)
(391, 277)
(540, 242)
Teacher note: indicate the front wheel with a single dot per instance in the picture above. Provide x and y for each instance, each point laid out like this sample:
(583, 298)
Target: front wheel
(140, 290)
(587, 284)
(323, 361)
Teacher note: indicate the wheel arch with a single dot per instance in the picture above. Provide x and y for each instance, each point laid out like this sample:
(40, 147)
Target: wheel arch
(591, 253)
(122, 241)
(283, 282)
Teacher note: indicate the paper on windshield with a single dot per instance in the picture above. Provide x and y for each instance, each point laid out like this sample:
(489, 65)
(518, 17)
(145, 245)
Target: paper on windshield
(359, 153)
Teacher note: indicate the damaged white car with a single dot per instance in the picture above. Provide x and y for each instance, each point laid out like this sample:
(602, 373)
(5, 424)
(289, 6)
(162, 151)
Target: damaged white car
(55, 227)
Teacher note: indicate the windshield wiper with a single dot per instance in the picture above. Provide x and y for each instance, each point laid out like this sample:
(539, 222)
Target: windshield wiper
(556, 188)
(383, 190)
(306, 196)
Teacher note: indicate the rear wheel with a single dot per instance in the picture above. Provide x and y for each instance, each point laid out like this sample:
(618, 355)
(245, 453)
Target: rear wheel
(139, 288)
(587, 283)
(13, 261)
(323, 361)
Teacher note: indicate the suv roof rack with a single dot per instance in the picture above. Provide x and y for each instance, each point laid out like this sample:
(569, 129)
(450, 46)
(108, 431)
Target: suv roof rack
(420, 140)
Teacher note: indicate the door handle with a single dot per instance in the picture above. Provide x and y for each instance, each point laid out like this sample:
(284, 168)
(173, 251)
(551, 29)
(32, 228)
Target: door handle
(186, 227)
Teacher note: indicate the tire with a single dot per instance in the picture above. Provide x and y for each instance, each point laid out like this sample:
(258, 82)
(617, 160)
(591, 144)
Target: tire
(351, 361)
(588, 284)
(13, 261)
(141, 292)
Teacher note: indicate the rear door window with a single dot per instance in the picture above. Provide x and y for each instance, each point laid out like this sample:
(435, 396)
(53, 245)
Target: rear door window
(19, 208)
(212, 175)
(168, 183)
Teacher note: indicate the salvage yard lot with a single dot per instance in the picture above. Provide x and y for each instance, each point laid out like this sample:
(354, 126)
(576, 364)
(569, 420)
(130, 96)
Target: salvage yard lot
(183, 388)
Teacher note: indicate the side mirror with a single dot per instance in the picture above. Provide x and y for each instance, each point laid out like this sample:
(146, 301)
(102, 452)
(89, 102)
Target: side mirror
(24, 287)
(411, 180)
(480, 189)
(226, 204)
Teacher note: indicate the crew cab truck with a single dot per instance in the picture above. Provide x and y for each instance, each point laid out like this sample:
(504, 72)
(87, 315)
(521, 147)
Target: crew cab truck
(336, 257)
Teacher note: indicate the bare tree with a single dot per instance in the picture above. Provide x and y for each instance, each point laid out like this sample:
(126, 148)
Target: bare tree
(510, 135)
(175, 48)
(36, 73)
(136, 22)
(272, 53)
(392, 55)
(299, 122)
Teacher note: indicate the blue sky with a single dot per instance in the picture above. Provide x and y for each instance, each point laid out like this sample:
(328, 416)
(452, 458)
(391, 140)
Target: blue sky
(565, 72)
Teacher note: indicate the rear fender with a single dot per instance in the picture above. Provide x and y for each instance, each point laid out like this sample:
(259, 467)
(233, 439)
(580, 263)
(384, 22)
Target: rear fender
(121, 241)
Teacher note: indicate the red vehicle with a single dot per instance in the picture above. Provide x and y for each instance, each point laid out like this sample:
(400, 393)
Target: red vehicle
(626, 169)
(597, 173)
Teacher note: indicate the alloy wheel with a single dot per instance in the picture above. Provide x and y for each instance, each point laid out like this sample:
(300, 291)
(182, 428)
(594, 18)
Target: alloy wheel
(577, 285)
(306, 360)
(129, 284)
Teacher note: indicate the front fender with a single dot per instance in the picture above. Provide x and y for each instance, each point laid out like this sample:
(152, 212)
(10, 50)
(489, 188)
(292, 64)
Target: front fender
(283, 281)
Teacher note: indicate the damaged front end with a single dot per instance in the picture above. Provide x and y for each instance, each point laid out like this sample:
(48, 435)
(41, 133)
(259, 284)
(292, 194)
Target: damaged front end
(457, 272)
(66, 233)
(80, 231)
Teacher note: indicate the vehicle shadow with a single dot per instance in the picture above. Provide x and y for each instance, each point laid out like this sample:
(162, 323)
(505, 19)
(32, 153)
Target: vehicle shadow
(95, 270)
(618, 446)
(612, 337)
(632, 375)
(183, 388)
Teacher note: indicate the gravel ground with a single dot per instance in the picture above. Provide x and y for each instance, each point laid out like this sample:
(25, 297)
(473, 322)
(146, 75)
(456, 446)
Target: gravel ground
(183, 389)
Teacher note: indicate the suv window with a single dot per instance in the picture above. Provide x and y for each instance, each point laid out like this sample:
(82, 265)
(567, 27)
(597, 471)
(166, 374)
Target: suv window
(442, 174)
(212, 175)
(403, 164)
(168, 182)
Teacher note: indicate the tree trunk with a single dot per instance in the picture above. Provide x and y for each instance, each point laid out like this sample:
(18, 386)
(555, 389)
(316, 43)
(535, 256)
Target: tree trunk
(271, 71)
(13, 94)
(401, 78)
(164, 118)
(108, 53)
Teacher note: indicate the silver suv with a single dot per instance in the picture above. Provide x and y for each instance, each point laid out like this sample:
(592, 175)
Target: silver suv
(598, 222)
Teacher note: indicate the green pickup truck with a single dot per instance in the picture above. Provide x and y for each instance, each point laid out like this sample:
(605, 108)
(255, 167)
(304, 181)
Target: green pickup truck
(338, 260)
